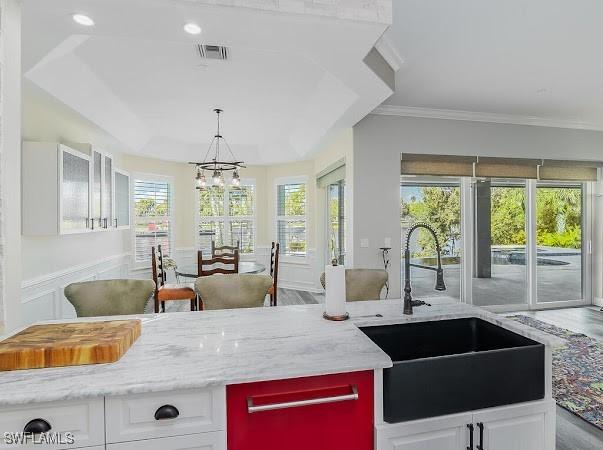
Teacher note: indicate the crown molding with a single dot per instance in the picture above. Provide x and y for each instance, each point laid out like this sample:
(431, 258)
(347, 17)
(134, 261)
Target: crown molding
(389, 52)
(471, 116)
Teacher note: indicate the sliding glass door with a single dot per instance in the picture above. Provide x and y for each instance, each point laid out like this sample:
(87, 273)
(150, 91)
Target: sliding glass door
(499, 248)
(336, 221)
(560, 220)
(437, 203)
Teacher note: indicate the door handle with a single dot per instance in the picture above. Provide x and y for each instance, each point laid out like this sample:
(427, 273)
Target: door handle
(37, 426)
(166, 412)
(470, 426)
(480, 446)
(252, 408)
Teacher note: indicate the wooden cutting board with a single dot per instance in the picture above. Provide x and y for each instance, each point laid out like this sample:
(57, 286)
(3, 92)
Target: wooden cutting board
(68, 344)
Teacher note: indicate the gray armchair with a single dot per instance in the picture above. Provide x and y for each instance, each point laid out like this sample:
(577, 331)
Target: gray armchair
(362, 284)
(109, 297)
(228, 291)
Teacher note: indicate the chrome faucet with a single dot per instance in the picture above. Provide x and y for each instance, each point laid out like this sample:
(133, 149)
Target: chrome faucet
(440, 286)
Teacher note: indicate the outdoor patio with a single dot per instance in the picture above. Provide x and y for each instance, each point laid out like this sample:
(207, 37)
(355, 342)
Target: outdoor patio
(559, 274)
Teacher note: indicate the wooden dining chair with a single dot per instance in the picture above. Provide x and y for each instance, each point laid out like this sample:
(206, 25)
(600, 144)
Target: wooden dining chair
(362, 284)
(226, 265)
(169, 291)
(226, 251)
(109, 297)
(274, 251)
(233, 291)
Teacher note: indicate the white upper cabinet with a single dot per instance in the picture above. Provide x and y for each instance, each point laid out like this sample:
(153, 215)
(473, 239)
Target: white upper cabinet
(68, 190)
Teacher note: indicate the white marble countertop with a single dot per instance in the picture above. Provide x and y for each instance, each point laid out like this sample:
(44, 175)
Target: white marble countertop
(211, 348)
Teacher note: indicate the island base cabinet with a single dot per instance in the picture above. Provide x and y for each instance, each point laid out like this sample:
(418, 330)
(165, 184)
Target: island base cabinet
(329, 412)
(527, 426)
(440, 433)
(204, 441)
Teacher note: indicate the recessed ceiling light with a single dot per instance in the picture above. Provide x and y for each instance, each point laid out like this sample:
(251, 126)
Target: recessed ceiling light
(83, 20)
(192, 28)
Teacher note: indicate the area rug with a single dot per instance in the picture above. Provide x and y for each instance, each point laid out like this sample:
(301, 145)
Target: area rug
(577, 371)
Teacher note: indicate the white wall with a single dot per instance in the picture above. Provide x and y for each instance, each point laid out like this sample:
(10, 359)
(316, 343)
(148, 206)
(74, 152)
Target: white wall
(10, 173)
(379, 140)
(297, 275)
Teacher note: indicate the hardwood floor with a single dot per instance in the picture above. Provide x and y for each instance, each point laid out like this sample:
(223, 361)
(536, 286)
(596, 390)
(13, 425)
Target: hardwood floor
(291, 297)
(573, 433)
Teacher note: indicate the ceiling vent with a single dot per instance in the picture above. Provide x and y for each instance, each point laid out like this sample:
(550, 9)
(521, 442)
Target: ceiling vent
(213, 52)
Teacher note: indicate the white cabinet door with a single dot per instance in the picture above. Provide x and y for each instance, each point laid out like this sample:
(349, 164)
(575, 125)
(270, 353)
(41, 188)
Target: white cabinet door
(97, 183)
(440, 433)
(165, 414)
(108, 193)
(74, 191)
(83, 420)
(203, 441)
(122, 199)
(519, 427)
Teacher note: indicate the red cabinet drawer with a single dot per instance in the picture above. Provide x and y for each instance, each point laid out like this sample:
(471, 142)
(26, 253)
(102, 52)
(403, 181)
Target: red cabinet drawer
(327, 412)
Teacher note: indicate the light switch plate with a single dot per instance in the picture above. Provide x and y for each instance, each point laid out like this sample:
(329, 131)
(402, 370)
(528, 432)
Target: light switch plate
(364, 243)
(388, 242)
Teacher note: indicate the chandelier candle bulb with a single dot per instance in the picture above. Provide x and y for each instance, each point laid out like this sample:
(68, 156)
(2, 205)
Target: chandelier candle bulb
(335, 297)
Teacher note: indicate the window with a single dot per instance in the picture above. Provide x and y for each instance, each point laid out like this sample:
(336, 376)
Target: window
(336, 221)
(153, 217)
(227, 215)
(291, 218)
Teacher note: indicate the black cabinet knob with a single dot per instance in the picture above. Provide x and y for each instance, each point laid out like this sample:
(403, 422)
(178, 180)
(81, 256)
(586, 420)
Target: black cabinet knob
(37, 426)
(166, 412)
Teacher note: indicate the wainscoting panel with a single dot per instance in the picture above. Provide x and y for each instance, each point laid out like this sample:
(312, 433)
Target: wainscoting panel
(43, 297)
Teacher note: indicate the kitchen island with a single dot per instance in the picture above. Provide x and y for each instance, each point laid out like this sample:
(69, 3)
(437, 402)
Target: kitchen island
(193, 356)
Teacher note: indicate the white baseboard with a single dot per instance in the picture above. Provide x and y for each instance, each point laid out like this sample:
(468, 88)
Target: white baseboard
(42, 297)
(598, 301)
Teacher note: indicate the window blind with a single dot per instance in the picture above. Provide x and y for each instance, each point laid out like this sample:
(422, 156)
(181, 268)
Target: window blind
(493, 167)
(153, 218)
(489, 167)
(440, 165)
(227, 215)
(551, 170)
(291, 218)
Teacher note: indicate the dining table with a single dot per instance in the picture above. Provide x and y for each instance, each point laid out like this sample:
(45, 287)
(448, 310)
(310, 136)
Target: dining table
(191, 270)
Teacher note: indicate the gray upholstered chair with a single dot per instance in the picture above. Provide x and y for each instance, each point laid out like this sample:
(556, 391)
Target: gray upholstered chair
(233, 290)
(362, 284)
(109, 297)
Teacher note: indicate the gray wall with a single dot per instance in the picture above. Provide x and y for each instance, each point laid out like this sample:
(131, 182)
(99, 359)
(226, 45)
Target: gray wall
(379, 140)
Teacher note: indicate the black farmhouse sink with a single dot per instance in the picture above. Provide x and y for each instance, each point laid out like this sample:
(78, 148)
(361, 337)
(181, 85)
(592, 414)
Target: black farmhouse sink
(449, 366)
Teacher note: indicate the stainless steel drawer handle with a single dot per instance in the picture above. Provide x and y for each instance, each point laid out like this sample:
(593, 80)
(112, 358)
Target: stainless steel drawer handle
(251, 408)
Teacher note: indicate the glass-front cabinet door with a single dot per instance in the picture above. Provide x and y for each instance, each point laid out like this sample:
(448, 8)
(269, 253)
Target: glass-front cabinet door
(74, 193)
(108, 221)
(97, 182)
(122, 199)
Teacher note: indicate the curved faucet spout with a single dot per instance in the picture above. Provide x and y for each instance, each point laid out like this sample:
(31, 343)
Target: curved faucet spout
(440, 285)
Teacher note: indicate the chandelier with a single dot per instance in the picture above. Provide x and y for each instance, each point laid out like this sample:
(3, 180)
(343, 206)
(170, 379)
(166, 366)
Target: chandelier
(216, 165)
